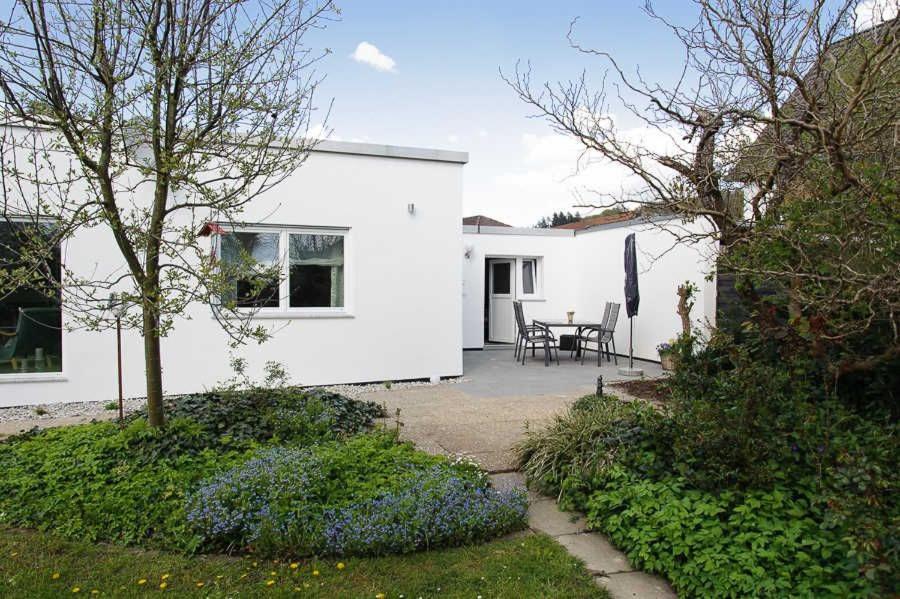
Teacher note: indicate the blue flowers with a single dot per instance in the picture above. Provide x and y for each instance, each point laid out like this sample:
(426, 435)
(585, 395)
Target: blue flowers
(293, 500)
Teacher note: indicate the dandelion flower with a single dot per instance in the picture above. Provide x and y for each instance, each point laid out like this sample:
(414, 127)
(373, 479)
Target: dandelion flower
(340, 566)
(163, 585)
(315, 572)
(164, 577)
(200, 584)
(294, 566)
(142, 581)
(273, 573)
(379, 596)
(76, 590)
(270, 583)
(55, 576)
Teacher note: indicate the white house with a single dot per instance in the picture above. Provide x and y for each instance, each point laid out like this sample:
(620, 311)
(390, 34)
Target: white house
(390, 218)
(579, 268)
(379, 282)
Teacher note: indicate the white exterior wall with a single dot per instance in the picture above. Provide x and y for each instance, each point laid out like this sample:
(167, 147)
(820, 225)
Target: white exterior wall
(402, 290)
(585, 270)
(557, 273)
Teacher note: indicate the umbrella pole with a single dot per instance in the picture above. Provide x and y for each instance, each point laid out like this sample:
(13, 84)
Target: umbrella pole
(631, 342)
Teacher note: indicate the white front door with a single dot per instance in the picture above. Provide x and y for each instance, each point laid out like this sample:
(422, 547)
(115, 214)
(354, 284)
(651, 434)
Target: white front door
(501, 318)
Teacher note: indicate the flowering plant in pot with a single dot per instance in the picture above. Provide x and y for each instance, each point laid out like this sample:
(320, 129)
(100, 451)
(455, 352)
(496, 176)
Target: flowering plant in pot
(667, 354)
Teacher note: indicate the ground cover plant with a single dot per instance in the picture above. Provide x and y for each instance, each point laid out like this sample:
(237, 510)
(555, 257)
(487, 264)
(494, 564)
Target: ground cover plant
(284, 470)
(727, 496)
(34, 564)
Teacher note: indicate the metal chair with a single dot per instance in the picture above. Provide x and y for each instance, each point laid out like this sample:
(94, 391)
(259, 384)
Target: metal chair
(533, 335)
(603, 337)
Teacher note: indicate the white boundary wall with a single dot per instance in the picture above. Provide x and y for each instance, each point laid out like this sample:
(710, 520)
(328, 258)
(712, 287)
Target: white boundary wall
(402, 284)
(582, 270)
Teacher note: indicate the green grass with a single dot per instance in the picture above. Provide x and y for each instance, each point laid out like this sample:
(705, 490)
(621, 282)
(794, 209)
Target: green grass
(523, 566)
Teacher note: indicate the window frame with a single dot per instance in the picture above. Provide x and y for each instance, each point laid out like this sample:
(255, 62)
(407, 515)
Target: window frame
(284, 309)
(54, 375)
(538, 276)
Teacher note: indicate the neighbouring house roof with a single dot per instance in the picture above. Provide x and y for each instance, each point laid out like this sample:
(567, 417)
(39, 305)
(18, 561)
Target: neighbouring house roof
(600, 219)
(480, 220)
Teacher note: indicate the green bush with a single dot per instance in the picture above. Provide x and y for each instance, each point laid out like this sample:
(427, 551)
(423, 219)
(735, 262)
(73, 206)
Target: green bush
(730, 544)
(368, 495)
(818, 515)
(584, 440)
(97, 482)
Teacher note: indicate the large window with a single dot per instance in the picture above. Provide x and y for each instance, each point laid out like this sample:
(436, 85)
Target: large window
(290, 270)
(316, 275)
(254, 259)
(30, 313)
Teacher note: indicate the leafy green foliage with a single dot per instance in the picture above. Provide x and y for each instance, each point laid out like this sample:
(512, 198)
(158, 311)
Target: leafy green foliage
(728, 544)
(816, 515)
(97, 482)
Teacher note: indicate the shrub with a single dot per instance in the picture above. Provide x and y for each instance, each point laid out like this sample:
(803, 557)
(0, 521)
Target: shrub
(244, 417)
(90, 482)
(584, 440)
(728, 544)
(366, 496)
(96, 482)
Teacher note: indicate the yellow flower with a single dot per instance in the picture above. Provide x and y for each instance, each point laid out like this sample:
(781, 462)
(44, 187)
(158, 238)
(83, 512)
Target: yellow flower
(200, 584)
(55, 575)
(315, 572)
(379, 596)
(95, 592)
(270, 583)
(340, 566)
(75, 589)
(164, 576)
(294, 566)
(254, 564)
(243, 576)
(142, 581)
(14, 554)
(273, 573)
(163, 585)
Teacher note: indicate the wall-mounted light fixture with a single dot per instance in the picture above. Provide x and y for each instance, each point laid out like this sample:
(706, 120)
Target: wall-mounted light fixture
(469, 250)
(411, 208)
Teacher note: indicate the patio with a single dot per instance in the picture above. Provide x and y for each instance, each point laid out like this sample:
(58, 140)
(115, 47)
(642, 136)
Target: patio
(485, 413)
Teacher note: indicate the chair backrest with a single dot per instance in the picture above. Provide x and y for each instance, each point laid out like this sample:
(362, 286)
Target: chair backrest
(520, 316)
(605, 314)
(611, 316)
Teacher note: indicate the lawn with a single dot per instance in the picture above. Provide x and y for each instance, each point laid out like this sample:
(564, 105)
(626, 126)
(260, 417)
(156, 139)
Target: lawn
(524, 565)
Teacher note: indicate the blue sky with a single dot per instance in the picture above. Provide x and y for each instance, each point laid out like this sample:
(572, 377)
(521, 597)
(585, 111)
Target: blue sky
(445, 91)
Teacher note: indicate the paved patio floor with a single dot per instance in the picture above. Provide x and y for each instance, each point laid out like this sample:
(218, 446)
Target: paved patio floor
(486, 413)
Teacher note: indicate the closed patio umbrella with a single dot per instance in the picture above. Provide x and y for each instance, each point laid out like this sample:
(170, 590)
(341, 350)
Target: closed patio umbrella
(632, 301)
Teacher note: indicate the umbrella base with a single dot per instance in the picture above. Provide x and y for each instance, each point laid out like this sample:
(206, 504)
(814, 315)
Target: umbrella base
(625, 371)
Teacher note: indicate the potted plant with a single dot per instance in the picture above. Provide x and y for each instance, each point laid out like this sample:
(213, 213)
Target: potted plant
(667, 354)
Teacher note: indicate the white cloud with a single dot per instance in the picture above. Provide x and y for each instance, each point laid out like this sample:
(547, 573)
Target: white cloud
(453, 138)
(369, 54)
(873, 12)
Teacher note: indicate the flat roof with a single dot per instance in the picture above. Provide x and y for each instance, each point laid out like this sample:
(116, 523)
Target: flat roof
(388, 151)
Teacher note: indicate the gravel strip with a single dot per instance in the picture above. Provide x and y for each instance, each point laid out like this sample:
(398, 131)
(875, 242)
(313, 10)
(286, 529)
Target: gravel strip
(98, 409)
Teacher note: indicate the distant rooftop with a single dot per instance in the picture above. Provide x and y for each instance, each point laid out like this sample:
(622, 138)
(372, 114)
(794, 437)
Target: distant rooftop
(480, 220)
(600, 219)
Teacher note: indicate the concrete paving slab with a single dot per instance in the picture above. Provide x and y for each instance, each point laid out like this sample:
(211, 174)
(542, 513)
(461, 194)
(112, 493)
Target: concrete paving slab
(545, 517)
(598, 555)
(636, 585)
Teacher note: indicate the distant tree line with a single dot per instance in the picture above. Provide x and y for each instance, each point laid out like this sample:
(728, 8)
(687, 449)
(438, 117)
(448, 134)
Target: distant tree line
(557, 219)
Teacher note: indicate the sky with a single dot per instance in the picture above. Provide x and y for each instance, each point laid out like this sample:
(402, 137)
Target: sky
(427, 74)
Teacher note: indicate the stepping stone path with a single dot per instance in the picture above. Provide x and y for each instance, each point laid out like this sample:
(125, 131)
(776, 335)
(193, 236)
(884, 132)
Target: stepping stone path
(609, 566)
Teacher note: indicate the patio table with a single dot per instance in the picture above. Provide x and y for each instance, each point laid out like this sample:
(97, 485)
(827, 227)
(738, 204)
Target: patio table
(562, 324)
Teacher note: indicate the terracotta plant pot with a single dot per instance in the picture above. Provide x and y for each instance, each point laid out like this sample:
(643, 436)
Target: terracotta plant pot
(667, 360)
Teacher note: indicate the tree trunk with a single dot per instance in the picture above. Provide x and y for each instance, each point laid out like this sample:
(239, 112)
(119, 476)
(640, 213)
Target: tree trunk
(153, 367)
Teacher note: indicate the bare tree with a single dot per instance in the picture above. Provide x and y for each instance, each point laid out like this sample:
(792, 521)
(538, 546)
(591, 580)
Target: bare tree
(150, 118)
(766, 88)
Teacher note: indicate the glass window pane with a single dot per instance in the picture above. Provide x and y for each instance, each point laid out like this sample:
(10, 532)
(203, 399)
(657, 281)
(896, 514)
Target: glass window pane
(528, 277)
(30, 313)
(253, 260)
(501, 277)
(316, 271)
